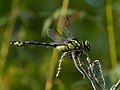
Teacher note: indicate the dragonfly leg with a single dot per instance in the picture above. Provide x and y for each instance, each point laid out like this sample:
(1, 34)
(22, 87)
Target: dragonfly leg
(70, 56)
(75, 57)
(60, 62)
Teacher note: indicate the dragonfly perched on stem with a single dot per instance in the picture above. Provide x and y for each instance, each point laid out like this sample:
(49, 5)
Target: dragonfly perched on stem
(70, 45)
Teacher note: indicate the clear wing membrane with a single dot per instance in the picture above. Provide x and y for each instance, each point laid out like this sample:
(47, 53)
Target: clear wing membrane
(55, 36)
(64, 24)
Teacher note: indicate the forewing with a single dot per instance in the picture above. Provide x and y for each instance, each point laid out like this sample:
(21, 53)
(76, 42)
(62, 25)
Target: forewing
(55, 36)
(64, 24)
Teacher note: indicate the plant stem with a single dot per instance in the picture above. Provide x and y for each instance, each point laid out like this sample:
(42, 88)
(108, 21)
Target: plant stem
(111, 36)
(50, 74)
(4, 83)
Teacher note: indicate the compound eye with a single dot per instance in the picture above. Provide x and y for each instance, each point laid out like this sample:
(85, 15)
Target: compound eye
(89, 48)
(87, 43)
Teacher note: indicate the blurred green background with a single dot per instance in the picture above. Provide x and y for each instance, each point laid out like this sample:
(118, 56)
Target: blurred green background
(27, 68)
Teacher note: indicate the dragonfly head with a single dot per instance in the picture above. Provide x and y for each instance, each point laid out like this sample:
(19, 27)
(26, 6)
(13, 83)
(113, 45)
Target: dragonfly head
(88, 45)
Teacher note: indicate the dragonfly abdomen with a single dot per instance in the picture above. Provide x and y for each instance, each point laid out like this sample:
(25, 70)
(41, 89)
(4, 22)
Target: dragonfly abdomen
(24, 43)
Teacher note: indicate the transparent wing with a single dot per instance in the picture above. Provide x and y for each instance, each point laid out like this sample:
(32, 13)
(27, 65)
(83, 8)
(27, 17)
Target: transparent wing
(64, 24)
(55, 36)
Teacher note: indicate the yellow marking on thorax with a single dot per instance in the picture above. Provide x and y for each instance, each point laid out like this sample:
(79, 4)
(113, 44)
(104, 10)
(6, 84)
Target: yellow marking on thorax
(77, 43)
(71, 47)
(62, 48)
(82, 45)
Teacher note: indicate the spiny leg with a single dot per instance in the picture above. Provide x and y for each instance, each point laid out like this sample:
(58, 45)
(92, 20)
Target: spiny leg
(88, 59)
(82, 64)
(60, 62)
(76, 64)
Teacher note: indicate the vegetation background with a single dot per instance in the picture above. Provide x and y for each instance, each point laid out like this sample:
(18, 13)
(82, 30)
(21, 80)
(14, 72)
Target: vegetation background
(34, 67)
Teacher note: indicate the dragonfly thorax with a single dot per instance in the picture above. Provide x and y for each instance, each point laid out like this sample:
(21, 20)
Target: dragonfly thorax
(74, 44)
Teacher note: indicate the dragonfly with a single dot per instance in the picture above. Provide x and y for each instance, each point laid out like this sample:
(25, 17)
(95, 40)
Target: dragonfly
(70, 44)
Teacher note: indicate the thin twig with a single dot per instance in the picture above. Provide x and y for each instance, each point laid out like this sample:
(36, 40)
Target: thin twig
(114, 87)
